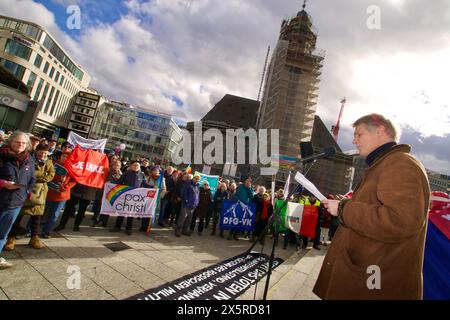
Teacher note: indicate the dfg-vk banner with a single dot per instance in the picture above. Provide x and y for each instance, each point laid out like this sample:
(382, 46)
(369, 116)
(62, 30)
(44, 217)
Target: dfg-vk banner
(236, 215)
(120, 200)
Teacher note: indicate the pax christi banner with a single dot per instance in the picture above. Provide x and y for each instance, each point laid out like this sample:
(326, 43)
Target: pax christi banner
(302, 219)
(236, 215)
(88, 167)
(120, 200)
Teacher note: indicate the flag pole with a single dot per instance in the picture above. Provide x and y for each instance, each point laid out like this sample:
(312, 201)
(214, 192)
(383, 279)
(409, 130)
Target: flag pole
(273, 190)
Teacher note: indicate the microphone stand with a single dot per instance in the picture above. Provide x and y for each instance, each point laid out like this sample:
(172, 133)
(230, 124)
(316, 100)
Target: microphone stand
(275, 215)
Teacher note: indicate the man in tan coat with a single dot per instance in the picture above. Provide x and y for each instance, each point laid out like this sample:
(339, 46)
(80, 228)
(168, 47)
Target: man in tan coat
(377, 252)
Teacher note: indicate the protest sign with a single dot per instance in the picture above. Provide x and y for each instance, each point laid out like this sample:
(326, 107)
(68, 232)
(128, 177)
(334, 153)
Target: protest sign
(236, 215)
(120, 200)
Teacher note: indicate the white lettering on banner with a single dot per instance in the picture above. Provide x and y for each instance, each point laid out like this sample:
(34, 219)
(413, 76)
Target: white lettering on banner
(221, 296)
(91, 167)
(165, 292)
(94, 168)
(78, 165)
(222, 282)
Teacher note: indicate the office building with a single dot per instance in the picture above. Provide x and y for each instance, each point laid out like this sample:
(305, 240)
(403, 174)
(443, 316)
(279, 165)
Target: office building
(53, 78)
(146, 133)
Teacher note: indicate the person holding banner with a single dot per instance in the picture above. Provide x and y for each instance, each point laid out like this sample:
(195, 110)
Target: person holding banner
(80, 196)
(314, 206)
(114, 176)
(221, 195)
(132, 178)
(244, 193)
(279, 226)
(155, 179)
(378, 250)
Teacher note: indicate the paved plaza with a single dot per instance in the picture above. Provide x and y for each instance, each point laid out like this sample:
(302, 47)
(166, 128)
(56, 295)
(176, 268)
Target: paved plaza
(144, 262)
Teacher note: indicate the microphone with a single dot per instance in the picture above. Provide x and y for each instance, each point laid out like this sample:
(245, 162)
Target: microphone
(351, 152)
(326, 152)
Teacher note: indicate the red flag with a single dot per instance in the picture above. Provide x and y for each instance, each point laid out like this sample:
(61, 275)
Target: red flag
(88, 167)
(310, 216)
(440, 212)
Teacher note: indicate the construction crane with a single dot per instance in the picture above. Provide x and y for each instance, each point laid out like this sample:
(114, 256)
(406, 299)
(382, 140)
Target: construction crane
(335, 129)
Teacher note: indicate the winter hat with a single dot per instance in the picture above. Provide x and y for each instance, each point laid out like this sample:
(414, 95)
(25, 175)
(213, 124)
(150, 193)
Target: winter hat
(244, 177)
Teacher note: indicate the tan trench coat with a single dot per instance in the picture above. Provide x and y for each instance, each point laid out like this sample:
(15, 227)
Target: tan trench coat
(44, 173)
(384, 226)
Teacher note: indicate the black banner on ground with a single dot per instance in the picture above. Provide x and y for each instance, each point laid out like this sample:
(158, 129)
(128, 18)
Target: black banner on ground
(223, 281)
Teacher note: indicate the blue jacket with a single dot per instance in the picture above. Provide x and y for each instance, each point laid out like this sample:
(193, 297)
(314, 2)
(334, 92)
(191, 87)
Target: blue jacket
(244, 194)
(190, 195)
(11, 170)
(133, 179)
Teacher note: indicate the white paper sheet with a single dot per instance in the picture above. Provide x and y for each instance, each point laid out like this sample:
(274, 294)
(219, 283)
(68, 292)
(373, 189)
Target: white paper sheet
(309, 186)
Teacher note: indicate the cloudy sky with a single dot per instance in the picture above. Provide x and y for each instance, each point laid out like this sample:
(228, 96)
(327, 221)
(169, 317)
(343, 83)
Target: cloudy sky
(182, 56)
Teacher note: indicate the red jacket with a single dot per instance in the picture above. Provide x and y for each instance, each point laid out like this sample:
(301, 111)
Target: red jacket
(63, 194)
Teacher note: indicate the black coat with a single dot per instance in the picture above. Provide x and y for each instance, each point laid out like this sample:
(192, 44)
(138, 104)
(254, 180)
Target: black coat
(204, 203)
(20, 173)
(170, 188)
(258, 199)
(84, 192)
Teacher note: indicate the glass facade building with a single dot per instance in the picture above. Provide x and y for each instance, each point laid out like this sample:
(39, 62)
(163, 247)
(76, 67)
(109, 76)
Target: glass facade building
(146, 133)
(53, 79)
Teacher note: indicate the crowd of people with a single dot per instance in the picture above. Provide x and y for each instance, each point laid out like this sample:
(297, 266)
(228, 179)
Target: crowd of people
(34, 183)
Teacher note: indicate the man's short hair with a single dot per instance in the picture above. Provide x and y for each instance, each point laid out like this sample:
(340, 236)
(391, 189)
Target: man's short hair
(42, 147)
(375, 120)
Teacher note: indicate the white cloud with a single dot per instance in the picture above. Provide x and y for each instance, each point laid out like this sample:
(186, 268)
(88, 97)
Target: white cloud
(29, 10)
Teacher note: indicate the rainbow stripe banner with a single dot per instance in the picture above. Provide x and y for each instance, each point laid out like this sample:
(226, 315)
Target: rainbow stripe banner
(116, 192)
(283, 161)
(120, 200)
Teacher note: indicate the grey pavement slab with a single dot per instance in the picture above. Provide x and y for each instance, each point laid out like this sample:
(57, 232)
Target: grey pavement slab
(152, 260)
